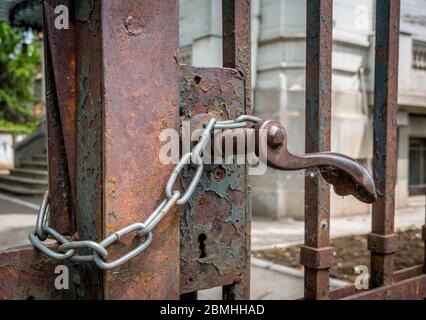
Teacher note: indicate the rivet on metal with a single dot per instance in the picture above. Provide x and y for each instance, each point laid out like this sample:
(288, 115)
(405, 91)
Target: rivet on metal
(133, 26)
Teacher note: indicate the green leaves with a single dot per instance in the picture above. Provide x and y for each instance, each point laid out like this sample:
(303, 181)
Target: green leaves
(20, 61)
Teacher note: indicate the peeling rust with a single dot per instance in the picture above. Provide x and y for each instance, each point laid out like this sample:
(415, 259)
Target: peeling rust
(214, 222)
(317, 136)
(26, 274)
(384, 140)
(140, 79)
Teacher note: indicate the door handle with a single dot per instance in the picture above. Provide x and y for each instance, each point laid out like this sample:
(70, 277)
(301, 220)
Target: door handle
(346, 175)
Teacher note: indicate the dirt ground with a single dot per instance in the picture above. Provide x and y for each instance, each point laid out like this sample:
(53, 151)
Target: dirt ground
(352, 251)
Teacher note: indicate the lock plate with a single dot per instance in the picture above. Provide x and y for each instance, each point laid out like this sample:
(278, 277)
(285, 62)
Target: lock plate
(214, 222)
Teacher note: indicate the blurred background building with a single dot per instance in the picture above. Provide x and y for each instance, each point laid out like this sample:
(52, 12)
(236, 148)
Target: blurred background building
(278, 59)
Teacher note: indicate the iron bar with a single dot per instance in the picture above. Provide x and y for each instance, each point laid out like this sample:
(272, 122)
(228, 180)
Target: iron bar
(236, 28)
(383, 241)
(319, 30)
(409, 289)
(399, 276)
(60, 186)
(60, 44)
(89, 139)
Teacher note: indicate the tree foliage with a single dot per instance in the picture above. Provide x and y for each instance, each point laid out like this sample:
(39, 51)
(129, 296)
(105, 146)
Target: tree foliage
(19, 63)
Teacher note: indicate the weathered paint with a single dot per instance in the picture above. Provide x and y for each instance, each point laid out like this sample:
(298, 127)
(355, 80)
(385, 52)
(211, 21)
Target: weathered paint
(319, 29)
(60, 46)
(409, 289)
(399, 276)
(236, 26)
(26, 274)
(60, 185)
(385, 135)
(213, 223)
(140, 77)
(89, 140)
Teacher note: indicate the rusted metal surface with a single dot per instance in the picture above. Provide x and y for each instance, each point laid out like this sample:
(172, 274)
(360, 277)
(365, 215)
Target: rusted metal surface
(236, 23)
(213, 223)
(140, 75)
(59, 177)
(26, 274)
(60, 45)
(319, 28)
(236, 19)
(399, 276)
(385, 136)
(346, 175)
(89, 137)
(410, 289)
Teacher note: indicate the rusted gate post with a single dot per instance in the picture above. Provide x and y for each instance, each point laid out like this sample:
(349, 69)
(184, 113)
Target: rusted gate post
(316, 254)
(383, 242)
(128, 93)
(111, 92)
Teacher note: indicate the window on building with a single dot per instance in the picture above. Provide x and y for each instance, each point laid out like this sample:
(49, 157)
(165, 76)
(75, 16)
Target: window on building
(419, 55)
(417, 166)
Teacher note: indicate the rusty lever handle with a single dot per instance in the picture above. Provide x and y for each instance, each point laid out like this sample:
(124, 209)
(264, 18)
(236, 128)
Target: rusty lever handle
(346, 175)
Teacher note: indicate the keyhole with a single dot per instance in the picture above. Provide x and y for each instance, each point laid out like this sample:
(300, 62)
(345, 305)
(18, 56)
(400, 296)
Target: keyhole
(201, 238)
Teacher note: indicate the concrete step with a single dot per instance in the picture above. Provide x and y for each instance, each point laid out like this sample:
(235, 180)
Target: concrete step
(36, 165)
(29, 173)
(40, 157)
(21, 190)
(24, 182)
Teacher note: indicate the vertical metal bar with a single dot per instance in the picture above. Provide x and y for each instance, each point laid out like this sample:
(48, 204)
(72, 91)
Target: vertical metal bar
(89, 138)
(140, 78)
(316, 255)
(383, 241)
(236, 24)
(61, 43)
(60, 186)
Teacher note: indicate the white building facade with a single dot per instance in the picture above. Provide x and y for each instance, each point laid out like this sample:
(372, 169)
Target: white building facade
(278, 65)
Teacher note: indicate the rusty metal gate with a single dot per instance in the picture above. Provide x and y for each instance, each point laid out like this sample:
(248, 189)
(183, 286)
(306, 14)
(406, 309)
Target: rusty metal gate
(113, 83)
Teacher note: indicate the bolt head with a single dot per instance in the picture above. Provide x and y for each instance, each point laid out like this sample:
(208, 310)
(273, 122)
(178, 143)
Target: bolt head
(133, 26)
(276, 136)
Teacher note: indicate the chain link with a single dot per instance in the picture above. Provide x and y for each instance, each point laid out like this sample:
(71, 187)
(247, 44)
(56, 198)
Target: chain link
(68, 249)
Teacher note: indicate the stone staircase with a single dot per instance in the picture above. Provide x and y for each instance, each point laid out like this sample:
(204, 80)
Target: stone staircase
(29, 178)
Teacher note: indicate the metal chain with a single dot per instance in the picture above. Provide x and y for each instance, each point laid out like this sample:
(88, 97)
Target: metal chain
(68, 249)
